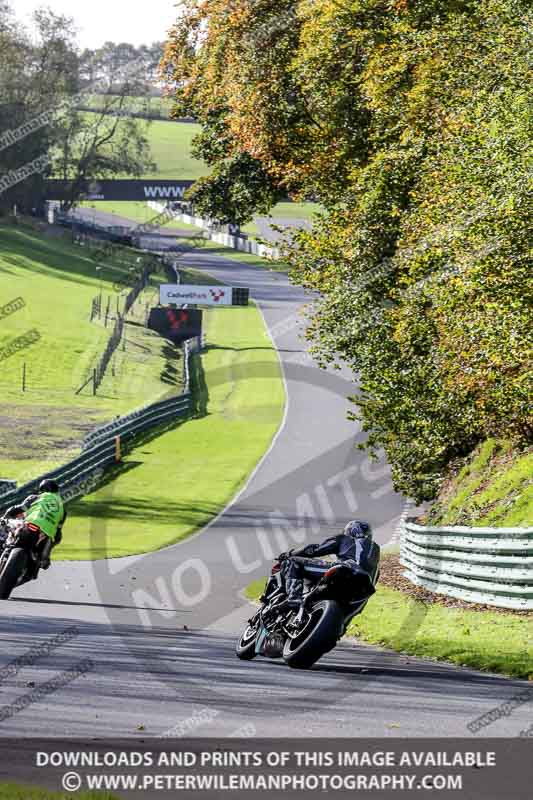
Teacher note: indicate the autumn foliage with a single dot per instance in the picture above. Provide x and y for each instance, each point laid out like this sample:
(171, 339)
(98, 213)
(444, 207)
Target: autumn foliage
(410, 121)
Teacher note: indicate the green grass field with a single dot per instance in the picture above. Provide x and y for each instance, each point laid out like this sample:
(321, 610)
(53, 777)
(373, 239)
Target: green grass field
(56, 280)
(485, 640)
(173, 484)
(171, 150)
(153, 105)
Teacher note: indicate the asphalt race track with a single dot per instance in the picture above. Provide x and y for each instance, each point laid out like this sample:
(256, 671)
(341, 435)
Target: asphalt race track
(154, 635)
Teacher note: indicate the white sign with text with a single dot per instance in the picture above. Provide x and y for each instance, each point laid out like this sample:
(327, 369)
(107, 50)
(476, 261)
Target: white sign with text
(203, 295)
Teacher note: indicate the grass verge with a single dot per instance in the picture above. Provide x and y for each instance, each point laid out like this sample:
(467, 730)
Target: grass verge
(486, 640)
(136, 211)
(493, 487)
(175, 482)
(213, 248)
(285, 212)
(15, 791)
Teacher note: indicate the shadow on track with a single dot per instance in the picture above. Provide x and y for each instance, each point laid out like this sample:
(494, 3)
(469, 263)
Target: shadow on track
(95, 605)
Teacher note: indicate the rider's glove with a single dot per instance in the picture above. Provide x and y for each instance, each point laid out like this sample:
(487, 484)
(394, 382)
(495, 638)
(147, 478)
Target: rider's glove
(13, 512)
(284, 556)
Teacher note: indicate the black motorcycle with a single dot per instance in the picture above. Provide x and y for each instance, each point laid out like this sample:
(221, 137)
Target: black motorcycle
(302, 636)
(19, 556)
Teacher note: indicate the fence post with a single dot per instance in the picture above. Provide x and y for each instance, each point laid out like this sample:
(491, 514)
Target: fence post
(24, 377)
(94, 381)
(118, 448)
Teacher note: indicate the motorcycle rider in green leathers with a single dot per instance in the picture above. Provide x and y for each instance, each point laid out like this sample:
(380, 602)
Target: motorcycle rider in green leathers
(46, 516)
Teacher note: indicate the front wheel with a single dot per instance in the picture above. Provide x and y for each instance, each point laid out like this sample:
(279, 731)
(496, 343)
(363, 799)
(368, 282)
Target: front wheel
(318, 636)
(13, 569)
(246, 645)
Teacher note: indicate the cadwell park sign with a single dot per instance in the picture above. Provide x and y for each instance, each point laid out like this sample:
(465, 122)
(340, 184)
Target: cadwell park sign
(185, 294)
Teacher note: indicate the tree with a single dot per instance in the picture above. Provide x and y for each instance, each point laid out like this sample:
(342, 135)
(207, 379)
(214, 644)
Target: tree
(46, 74)
(217, 54)
(235, 190)
(101, 144)
(35, 75)
(410, 122)
(113, 63)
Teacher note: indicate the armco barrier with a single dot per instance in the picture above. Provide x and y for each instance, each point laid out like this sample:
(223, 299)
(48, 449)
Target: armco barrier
(226, 239)
(98, 449)
(493, 566)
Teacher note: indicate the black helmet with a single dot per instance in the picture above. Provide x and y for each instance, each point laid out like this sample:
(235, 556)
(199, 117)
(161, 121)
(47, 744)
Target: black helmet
(358, 529)
(48, 485)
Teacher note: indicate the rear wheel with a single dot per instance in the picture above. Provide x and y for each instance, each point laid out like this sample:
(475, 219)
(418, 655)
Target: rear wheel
(14, 568)
(246, 645)
(318, 636)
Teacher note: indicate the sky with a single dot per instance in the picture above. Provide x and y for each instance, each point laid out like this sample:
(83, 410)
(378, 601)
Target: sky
(99, 21)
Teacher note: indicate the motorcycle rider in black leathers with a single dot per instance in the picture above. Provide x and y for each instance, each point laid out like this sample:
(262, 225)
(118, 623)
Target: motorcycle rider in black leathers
(354, 548)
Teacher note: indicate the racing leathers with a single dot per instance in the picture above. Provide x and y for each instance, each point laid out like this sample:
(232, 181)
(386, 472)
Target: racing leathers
(48, 514)
(361, 554)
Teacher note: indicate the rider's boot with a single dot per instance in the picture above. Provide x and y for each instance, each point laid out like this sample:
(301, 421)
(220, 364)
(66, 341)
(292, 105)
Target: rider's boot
(45, 555)
(295, 588)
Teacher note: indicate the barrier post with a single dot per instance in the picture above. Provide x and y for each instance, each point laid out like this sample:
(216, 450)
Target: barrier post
(118, 449)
